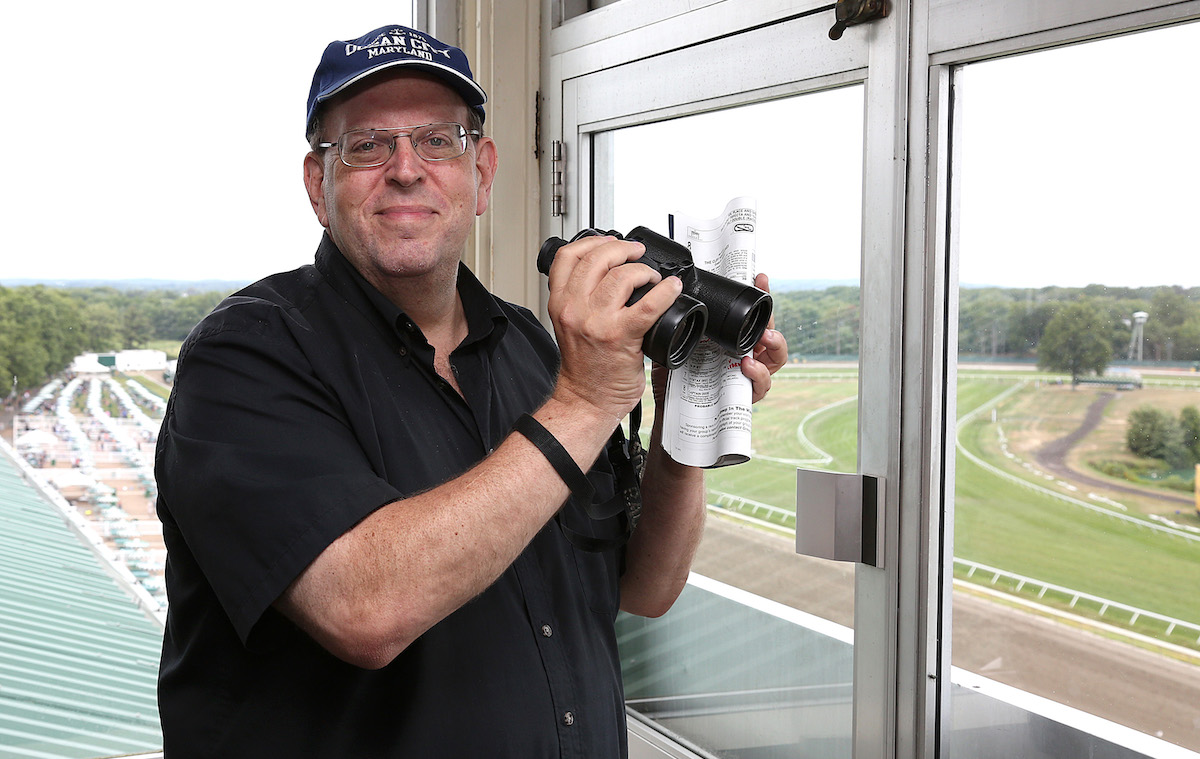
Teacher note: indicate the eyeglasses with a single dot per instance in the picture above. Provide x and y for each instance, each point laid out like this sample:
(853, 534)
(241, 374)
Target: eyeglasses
(364, 148)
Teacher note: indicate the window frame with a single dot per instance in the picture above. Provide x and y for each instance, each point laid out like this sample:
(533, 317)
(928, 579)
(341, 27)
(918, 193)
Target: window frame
(909, 275)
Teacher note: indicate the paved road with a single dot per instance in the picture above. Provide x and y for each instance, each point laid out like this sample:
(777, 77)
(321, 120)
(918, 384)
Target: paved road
(1117, 681)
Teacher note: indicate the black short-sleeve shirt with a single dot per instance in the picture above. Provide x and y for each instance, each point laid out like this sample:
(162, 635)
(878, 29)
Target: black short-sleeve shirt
(302, 404)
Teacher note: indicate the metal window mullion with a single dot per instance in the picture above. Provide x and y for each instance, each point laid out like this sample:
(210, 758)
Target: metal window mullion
(876, 589)
(899, 619)
(939, 364)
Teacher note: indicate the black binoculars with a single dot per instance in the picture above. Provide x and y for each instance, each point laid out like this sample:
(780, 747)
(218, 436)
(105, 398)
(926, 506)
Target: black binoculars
(732, 314)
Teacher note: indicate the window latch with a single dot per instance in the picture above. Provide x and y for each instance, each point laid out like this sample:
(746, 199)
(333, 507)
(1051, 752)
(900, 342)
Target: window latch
(852, 12)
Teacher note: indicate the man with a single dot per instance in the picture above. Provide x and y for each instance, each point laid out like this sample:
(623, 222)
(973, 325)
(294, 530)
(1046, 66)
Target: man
(364, 558)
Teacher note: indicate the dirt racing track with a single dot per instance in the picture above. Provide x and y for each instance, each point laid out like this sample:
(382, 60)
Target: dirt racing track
(1066, 662)
(1118, 681)
(1053, 455)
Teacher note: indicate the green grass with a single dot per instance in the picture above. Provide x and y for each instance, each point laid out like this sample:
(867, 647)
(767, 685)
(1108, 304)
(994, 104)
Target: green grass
(1027, 532)
(836, 432)
(159, 389)
(776, 419)
(108, 402)
(1010, 527)
(768, 482)
(997, 522)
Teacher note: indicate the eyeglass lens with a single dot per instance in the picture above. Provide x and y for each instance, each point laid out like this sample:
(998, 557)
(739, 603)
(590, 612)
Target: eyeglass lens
(373, 147)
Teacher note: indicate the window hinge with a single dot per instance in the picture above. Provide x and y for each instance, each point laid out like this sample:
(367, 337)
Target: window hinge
(556, 177)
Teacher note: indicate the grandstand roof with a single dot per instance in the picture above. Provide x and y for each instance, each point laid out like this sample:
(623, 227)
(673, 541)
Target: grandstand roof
(78, 657)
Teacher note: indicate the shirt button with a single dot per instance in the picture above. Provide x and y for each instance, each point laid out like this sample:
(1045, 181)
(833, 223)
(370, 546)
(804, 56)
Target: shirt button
(402, 351)
(569, 719)
(547, 631)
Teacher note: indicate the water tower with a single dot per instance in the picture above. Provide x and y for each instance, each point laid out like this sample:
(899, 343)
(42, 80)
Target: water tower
(1136, 339)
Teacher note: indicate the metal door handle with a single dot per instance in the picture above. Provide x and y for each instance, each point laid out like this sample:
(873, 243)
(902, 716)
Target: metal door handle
(840, 516)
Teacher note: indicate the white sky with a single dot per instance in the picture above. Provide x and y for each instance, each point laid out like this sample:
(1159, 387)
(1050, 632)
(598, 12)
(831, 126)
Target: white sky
(1076, 166)
(1081, 165)
(800, 158)
(1087, 175)
(162, 107)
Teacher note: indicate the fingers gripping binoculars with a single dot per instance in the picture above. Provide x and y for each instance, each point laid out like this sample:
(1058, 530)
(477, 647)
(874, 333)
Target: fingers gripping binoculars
(732, 314)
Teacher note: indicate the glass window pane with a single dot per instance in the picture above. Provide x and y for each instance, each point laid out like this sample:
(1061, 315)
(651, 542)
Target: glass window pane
(757, 653)
(1077, 539)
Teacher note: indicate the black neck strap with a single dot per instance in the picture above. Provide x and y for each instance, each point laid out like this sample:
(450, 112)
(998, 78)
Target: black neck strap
(628, 461)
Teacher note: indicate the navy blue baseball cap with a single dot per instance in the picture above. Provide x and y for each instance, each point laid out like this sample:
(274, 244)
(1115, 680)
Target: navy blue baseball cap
(346, 62)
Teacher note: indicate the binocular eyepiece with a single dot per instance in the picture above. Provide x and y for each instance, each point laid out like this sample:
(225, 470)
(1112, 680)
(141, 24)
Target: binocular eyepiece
(732, 314)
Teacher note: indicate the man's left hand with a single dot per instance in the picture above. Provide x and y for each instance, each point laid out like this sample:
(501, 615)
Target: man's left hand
(768, 356)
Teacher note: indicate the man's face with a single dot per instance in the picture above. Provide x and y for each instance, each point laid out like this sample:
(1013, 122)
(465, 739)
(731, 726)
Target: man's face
(408, 217)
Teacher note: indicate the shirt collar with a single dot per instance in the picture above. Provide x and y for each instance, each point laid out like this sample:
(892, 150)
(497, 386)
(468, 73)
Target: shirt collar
(486, 321)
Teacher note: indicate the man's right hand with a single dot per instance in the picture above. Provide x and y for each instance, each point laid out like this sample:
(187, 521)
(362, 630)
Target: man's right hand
(599, 337)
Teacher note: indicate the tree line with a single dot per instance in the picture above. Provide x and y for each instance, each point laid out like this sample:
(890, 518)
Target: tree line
(998, 322)
(42, 329)
(1003, 323)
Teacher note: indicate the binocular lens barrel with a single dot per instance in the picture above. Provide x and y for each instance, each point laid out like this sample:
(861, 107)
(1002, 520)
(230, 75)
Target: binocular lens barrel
(758, 316)
(546, 254)
(734, 315)
(676, 333)
(738, 314)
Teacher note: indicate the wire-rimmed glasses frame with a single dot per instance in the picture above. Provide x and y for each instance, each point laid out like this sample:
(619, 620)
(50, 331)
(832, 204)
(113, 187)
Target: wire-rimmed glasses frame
(367, 148)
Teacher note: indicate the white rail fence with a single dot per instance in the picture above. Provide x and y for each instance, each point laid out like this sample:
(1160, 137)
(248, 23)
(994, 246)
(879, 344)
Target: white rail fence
(1129, 615)
(737, 505)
